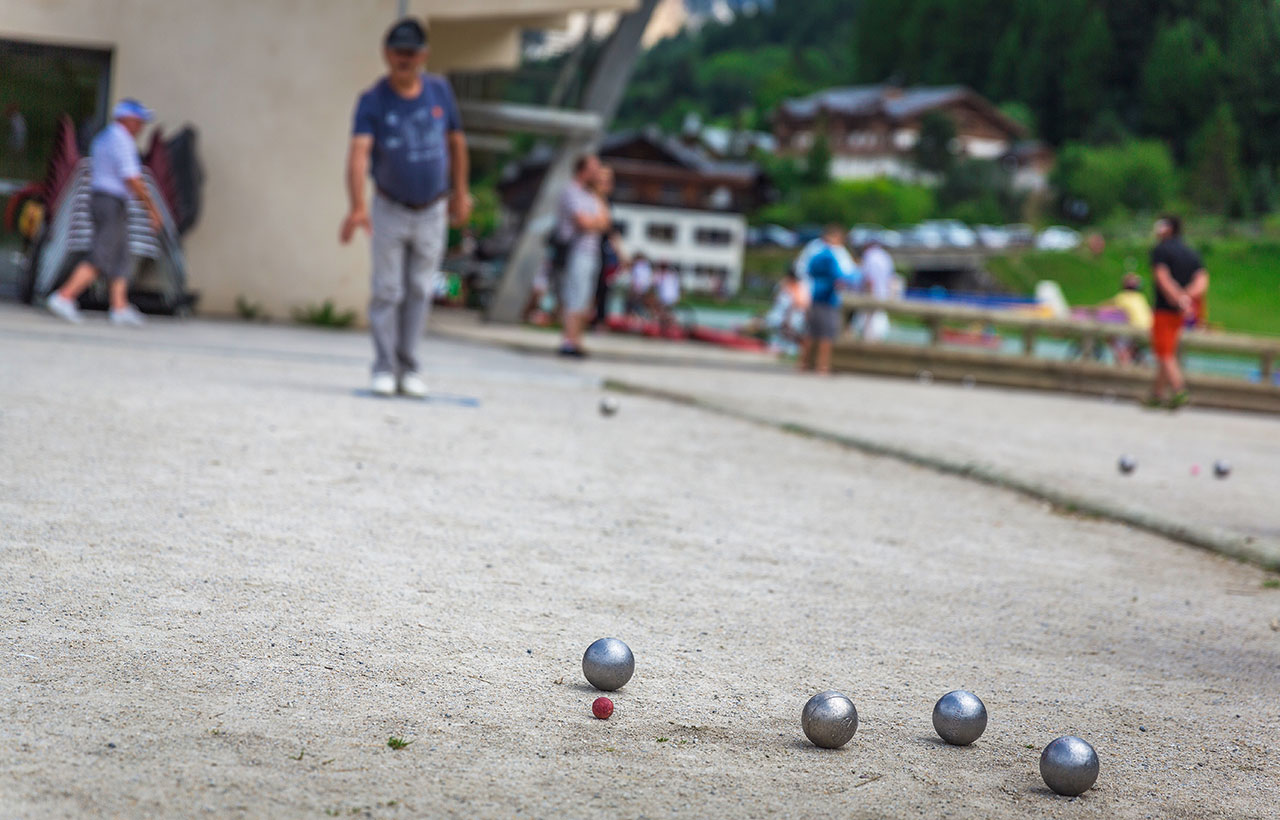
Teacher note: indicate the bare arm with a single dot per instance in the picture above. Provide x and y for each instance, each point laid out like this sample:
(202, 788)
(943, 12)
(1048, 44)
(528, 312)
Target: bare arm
(1171, 289)
(357, 171)
(1199, 284)
(140, 191)
(594, 223)
(460, 177)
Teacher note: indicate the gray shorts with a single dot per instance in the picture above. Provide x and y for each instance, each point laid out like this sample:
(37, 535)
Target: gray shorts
(822, 322)
(577, 282)
(109, 252)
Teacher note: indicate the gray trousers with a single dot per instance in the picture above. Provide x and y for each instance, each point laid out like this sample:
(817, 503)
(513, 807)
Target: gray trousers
(408, 247)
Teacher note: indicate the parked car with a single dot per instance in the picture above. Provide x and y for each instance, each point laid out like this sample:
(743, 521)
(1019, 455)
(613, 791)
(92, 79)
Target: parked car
(860, 235)
(1021, 235)
(926, 235)
(772, 236)
(807, 233)
(992, 236)
(890, 238)
(1058, 238)
(955, 233)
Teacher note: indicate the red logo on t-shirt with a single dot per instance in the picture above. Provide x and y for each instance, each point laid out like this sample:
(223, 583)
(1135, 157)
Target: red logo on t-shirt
(437, 111)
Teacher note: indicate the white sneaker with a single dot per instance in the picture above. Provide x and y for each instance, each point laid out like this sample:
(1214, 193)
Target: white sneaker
(383, 384)
(127, 316)
(63, 308)
(412, 385)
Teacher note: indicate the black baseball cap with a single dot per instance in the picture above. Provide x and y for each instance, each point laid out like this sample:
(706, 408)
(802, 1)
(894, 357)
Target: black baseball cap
(408, 34)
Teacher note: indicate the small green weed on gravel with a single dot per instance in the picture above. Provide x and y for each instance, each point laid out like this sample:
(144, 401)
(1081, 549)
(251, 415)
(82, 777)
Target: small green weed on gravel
(398, 743)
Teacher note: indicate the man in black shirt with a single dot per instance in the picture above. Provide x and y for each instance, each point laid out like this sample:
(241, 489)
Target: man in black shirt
(1180, 285)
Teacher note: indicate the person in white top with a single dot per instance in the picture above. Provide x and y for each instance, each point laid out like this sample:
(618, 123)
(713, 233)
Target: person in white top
(641, 284)
(115, 177)
(668, 287)
(877, 266)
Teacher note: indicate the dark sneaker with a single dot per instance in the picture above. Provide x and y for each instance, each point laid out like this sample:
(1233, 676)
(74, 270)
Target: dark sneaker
(571, 352)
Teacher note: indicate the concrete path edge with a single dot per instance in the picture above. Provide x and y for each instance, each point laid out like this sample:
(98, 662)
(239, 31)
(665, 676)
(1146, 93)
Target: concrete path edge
(1240, 549)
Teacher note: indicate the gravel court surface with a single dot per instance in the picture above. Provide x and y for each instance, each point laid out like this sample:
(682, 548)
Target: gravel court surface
(228, 578)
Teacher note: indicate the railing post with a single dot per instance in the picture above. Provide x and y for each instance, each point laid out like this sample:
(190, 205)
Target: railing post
(1088, 344)
(934, 326)
(1028, 340)
(1266, 367)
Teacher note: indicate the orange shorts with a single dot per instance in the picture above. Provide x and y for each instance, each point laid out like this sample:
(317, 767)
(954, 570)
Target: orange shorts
(1166, 325)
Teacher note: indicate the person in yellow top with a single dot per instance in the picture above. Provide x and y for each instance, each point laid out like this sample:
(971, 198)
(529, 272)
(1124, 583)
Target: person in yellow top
(1136, 309)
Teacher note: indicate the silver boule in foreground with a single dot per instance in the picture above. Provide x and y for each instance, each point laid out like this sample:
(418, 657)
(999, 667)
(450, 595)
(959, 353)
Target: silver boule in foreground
(608, 664)
(1069, 766)
(959, 717)
(1222, 469)
(1127, 464)
(608, 406)
(829, 719)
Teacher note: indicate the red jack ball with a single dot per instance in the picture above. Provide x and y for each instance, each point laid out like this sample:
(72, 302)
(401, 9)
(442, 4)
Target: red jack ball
(602, 708)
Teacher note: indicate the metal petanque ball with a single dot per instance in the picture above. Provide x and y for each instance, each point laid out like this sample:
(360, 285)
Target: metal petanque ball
(1127, 464)
(1222, 469)
(829, 719)
(1069, 766)
(608, 664)
(608, 406)
(959, 717)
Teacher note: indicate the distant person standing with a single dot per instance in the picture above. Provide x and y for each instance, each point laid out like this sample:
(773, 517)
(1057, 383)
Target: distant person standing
(667, 285)
(830, 269)
(1181, 283)
(408, 136)
(877, 267)
(115, 177)
(639, 292)
(582, 217)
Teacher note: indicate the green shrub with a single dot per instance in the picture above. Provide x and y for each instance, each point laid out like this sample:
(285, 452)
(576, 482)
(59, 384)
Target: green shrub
(324, 315)
(881, 201)
(1138, 175)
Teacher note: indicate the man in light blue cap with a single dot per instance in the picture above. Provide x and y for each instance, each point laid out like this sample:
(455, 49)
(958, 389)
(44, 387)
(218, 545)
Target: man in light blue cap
(116, 176)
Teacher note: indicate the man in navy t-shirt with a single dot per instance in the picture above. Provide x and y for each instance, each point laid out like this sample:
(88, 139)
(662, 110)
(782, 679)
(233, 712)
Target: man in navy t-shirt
(408, 137)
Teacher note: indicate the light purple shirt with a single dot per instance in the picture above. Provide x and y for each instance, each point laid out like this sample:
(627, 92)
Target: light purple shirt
(114, 157)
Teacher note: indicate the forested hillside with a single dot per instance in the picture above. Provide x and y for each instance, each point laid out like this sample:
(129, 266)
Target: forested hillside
(1150, 104)
(1094, 71)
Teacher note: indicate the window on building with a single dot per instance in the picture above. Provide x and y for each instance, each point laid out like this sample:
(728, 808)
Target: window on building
(671, 195)
(721, 198)
(622, 227)
(716, 237)
(43, 83)
(661, 232)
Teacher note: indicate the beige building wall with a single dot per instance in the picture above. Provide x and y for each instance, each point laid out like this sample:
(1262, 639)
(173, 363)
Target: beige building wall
(271, 86)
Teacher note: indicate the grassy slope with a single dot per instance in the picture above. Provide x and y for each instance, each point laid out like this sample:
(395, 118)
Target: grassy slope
(1244, 293)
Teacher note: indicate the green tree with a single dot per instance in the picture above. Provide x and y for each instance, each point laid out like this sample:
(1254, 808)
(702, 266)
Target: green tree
(1138, 176)
(933, 149)
(817, 162)
(1216, 184)
(1180, 82)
